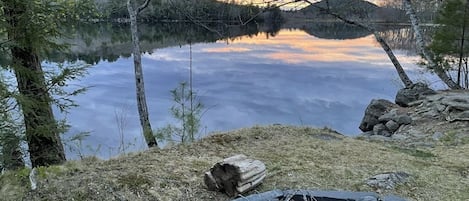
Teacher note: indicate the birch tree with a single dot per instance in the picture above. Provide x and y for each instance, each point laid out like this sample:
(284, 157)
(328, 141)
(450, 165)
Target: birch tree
(140, 86)
(421, 46)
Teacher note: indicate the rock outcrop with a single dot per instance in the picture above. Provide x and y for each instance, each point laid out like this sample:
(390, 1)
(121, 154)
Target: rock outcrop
(383, 117)
(449, 105)
(421, 117)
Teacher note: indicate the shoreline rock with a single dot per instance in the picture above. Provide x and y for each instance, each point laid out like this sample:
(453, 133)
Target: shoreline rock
(384, 118)
(432, 116)
(407, 95)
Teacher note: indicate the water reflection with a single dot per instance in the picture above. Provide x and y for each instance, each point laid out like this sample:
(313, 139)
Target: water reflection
(342, 31)
(292, 78)
(108, 42)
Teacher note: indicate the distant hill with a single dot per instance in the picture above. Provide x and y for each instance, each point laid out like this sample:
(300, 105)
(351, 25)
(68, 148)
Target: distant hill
(338, 5)
(350, 9)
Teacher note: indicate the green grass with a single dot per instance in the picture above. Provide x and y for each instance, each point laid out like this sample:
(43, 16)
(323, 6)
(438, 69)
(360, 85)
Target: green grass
(295, 157)
(415, 152)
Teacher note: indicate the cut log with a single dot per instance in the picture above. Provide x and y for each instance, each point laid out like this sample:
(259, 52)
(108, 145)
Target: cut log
(251, 179)
(235, 175)
(210, 181)
(247, 186)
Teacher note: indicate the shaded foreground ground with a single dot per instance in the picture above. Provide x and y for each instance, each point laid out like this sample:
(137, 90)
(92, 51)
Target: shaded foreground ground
(296, 158)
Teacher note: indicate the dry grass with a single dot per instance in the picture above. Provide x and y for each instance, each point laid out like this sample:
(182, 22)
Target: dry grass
(296, 157)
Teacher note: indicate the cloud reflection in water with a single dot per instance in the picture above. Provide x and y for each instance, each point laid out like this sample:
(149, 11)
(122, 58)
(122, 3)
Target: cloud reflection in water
(293, 78)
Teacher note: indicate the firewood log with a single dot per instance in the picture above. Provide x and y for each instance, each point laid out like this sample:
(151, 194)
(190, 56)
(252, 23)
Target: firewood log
(235, 175)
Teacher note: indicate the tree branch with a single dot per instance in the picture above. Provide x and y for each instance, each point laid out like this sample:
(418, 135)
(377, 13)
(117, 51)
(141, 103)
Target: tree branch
(195, 21)
(143, 6)
(4, 42)
(265, 10)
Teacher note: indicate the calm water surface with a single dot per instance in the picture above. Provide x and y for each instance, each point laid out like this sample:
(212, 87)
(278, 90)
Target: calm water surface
(293, 78)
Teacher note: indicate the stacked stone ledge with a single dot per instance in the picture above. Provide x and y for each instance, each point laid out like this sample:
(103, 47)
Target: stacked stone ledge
(385, 118)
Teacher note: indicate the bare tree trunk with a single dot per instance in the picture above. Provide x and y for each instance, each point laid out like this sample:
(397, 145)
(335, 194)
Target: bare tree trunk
(141, 98)
(466, 74)
(400, 71)
(439, 71)
(42, 135)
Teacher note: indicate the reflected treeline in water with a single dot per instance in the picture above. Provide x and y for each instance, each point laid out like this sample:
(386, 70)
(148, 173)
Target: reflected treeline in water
(340, 30)
(398, 36)
(109, 41)
(404, 38)
(335, 30)
(93, 43)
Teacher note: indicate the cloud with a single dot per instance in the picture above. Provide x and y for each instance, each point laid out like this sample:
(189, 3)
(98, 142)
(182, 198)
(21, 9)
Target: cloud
(228, 49)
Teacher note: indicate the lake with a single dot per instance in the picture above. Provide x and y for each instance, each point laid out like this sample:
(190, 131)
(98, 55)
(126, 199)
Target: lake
(319, 75)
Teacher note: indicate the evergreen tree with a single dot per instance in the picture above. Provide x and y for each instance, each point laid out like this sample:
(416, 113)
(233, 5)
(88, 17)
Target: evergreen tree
(450, 43)
(30, 28)
(10, 131)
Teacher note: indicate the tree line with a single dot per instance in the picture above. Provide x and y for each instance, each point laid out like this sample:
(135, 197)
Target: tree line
(184, 10)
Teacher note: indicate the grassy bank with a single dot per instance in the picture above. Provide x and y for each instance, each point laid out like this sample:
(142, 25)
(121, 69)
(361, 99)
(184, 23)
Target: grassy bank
(296, 157)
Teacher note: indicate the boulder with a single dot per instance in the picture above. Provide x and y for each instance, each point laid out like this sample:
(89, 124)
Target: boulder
(391, 115)
(380, 129)
(375, 109)
(403, 119)
(410, 94)
(392, 126)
